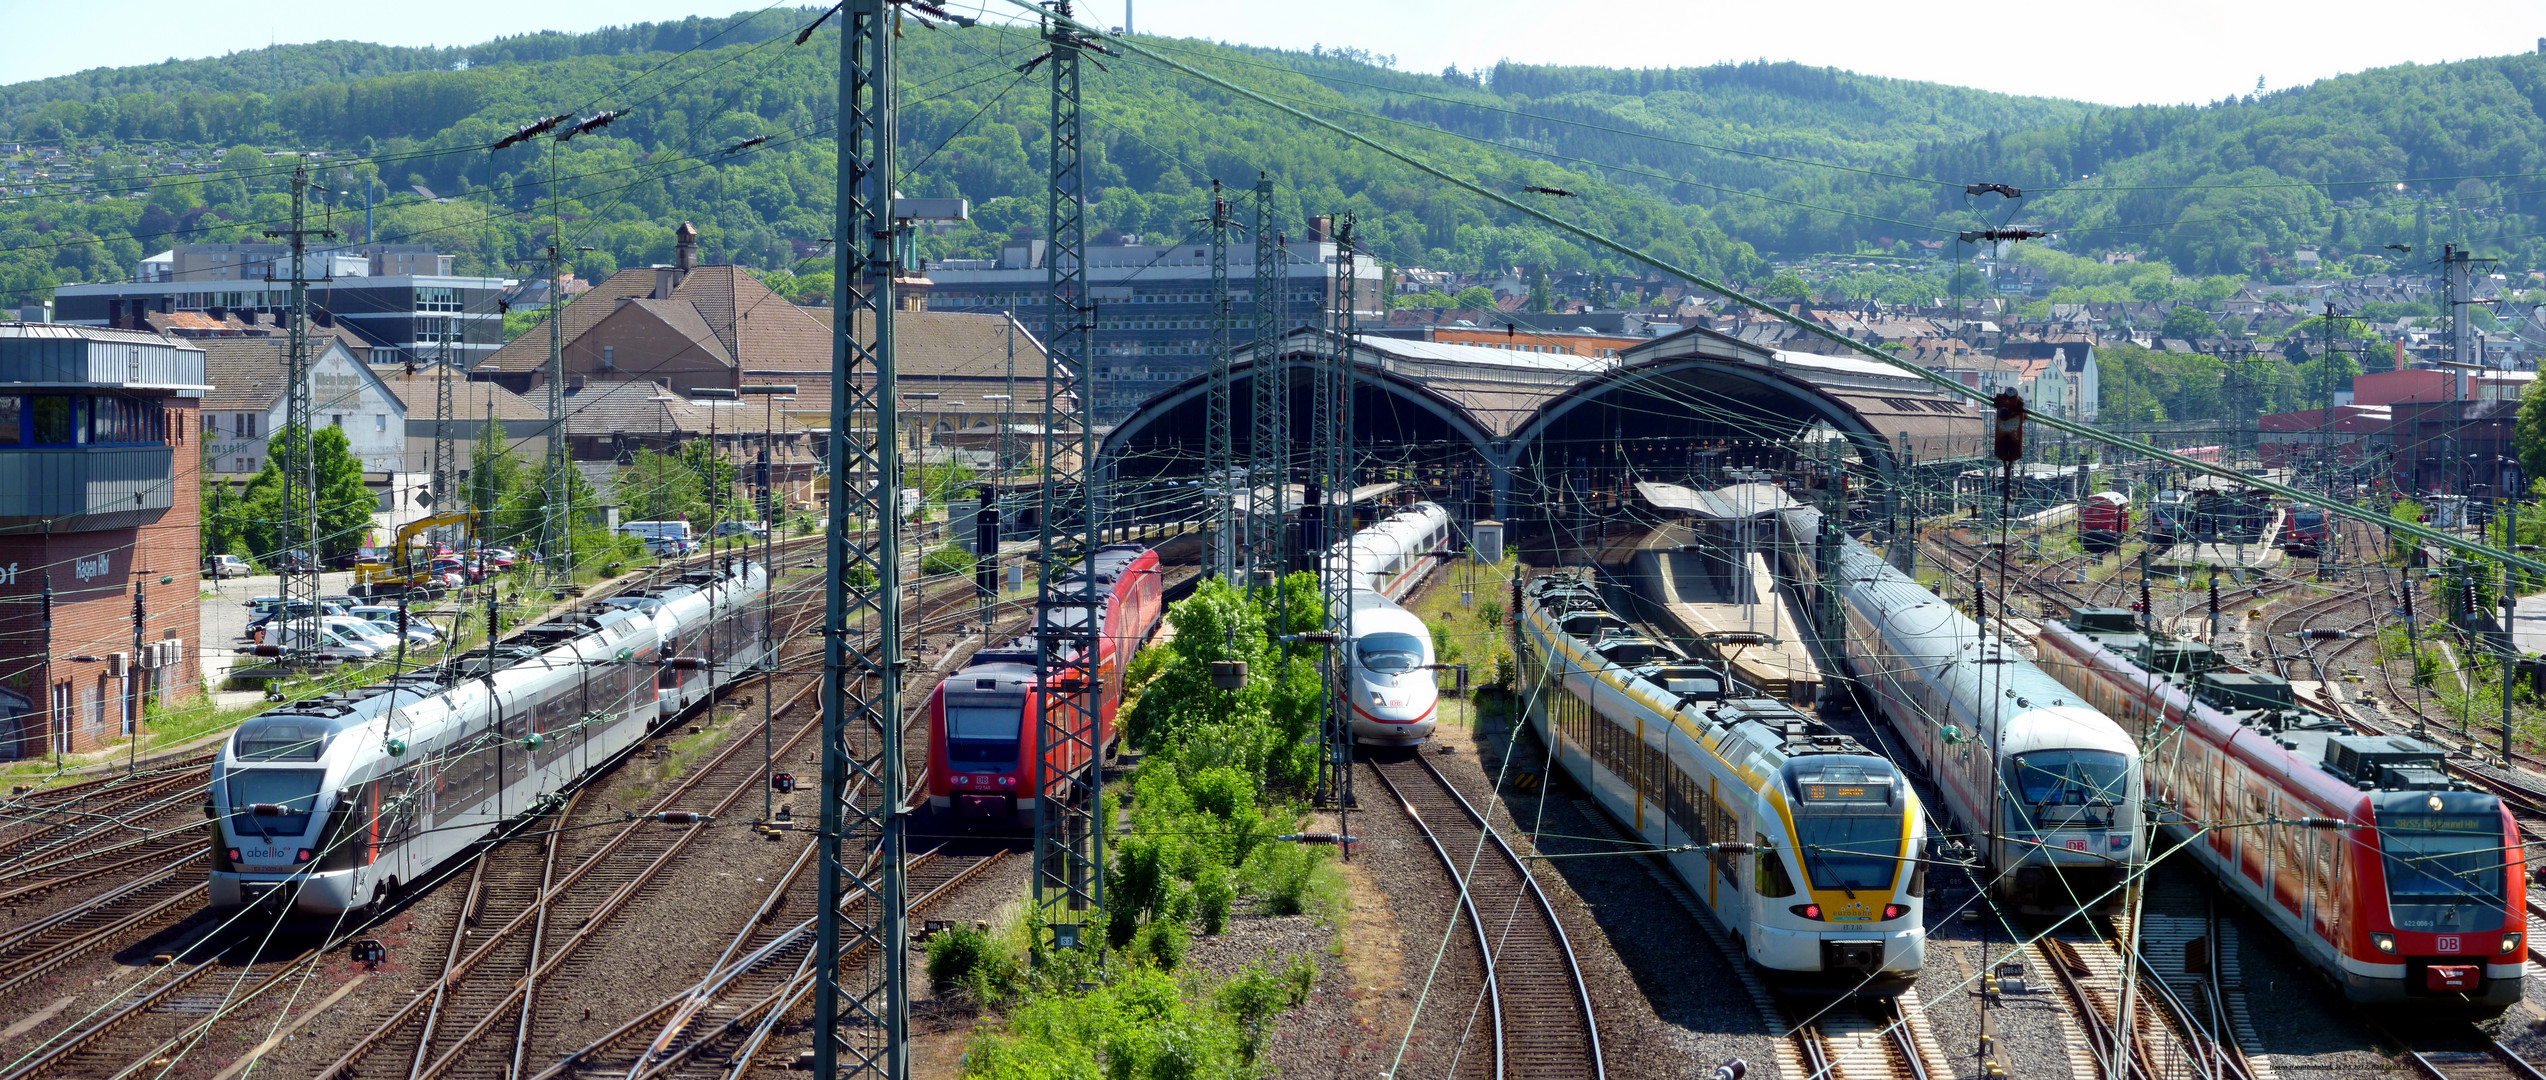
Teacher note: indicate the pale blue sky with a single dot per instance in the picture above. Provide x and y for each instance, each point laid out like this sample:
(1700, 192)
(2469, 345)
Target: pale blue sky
(2112, 52)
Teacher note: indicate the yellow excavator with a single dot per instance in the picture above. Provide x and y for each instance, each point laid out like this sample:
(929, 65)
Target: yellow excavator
(410, 570)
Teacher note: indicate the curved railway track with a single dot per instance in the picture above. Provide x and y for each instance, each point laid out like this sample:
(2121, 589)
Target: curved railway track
(1529, 1001)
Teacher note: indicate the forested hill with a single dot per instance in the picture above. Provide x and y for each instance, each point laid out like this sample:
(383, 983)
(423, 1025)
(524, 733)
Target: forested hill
(1707, 166)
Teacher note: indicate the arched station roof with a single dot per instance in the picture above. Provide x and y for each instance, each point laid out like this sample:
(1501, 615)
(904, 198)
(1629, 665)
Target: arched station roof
(1504, 402)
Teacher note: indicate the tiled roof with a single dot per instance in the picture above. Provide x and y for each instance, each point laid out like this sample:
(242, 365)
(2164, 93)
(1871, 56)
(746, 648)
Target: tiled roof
(530, 350)
(246, 373)
(469, 400)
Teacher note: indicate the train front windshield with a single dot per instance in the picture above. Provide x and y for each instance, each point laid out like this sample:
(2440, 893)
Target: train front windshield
(2067, 789)
(1854, 852)
(981, 737)
(1390, 654)
(293, 791)
(2440, 864)
(1849, 829)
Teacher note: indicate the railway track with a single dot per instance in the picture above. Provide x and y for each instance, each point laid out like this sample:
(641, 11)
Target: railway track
(1860, 1040)
(1529, 1002)
(2495, 1062)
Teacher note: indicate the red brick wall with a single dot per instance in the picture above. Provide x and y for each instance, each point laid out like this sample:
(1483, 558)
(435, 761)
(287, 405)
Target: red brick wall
(92, 575)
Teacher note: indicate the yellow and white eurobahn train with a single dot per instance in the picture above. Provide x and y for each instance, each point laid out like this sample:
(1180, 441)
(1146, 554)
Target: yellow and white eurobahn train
(336, 802)
(1815, 862)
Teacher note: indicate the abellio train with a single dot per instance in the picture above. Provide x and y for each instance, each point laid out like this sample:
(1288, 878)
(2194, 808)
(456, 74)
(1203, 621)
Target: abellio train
(2395, 880)
(1396, 697)
(337, 802)
(984, 721)
(1824, 892)
(1997, 734)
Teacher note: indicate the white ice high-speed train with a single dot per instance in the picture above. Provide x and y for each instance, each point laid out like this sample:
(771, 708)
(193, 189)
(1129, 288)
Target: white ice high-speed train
(336, 802)
(1997, 734)
(1394, 691)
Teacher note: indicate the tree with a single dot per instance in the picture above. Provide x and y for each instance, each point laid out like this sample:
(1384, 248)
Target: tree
(1786, 286)
(1474, 298)
(2188, 323)
(343, 507)
(2528, 431)
(1541, 296)
(495, 478)
(655, 486)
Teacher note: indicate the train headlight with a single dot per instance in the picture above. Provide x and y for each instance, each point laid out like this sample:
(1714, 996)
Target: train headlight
(2510, 944)
(1894, 911)
(2385, 943)
(1377, 698)
(301, 856)
(1809, 911)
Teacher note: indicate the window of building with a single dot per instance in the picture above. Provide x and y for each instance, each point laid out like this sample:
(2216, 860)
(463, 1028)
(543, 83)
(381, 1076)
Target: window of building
(335, 420)
(609, 357)
(12, 411)
(437, 299)
(380, 421)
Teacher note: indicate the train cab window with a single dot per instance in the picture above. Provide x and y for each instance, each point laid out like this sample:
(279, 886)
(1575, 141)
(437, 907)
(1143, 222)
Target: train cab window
(282, 738)
(1389, 654)
(1772, 880)
(2444, 870)
(2066, 789)
(981, 736)
(295, 791)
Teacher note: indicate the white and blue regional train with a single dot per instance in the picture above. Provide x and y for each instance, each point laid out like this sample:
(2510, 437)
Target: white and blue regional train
(336, 802)
(1994, 730)
(1396, 697)
(1819, 876)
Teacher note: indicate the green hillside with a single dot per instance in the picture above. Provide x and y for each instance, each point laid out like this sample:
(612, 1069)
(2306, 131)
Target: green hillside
(1710, 166)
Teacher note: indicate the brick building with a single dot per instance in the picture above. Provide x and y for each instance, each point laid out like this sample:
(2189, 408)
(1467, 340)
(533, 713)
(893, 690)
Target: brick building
(99, 449)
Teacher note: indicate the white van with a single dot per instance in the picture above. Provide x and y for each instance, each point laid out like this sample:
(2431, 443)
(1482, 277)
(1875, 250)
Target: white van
(661, 537)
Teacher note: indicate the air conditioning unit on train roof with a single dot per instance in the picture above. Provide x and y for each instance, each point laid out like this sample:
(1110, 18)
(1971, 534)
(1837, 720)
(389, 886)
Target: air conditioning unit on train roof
(2386, 761)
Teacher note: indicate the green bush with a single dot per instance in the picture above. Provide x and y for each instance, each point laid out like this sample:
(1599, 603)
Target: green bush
(1163, 944)
(1291, 879)
(1490, 612)
(949, 559)
(957, 957)
(1212, 895)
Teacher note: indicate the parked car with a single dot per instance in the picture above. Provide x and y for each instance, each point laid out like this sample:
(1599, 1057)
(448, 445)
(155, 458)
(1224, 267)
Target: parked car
(217, 567)
(752, 529)
(295, 561)
(268, 611)
(467, 571)
(419, 632)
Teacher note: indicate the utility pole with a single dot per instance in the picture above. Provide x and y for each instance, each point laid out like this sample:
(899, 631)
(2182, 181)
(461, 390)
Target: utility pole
(2454, 271)
(300, 588)
(1268, 448)
(445, 450)
(555, 550)
(1333, 435)
(1220, 454)
(862, 1014)
(1069, 843)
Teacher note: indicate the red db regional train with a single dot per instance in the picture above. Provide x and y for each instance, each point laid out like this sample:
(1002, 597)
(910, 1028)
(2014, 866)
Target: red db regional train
(983, 720)
(2396, 880)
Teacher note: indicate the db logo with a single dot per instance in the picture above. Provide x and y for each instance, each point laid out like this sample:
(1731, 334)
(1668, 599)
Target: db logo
(2448, 944)
(2077, 843)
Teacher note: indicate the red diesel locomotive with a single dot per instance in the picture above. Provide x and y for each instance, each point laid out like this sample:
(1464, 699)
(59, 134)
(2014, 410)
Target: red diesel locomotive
(2394, 879)
(983, 720)
(2103, 521)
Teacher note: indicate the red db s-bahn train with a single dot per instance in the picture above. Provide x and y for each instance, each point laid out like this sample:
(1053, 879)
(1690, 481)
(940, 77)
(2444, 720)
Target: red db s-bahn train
(985, 721)
(2396, 880)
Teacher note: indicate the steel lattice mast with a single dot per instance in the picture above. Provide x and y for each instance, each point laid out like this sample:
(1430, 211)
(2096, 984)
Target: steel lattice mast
(445, 450)
(300, 582)
(1334, 439)
(555, 549)
(1268, 450)
(1069, 848)
(861, 1015)
(1220, 459)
